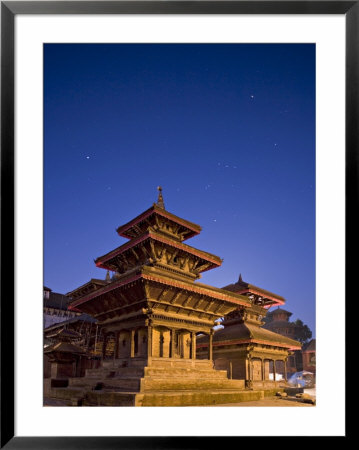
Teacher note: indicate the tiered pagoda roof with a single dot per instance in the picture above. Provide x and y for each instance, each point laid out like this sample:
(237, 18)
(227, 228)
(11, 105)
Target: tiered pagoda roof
(156, 273)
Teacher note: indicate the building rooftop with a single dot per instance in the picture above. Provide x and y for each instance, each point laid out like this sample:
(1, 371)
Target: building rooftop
(56, 300)
(188, 229)
(310, 346)
(242, 287)
(279, 324)
(246, 333)
(80, 318)
(277, 311)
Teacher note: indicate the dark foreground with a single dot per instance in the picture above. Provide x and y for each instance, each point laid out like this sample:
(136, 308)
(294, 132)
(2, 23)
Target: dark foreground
(267, 401)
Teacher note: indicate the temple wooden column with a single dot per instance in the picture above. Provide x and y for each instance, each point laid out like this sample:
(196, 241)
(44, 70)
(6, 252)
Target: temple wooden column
(285, 369)
(132, 348)
(115, 354)
(193, 345)
(149, 341)
(173, 342)
(274, 370)
(263, 370)
(104, 345)
(210, 346)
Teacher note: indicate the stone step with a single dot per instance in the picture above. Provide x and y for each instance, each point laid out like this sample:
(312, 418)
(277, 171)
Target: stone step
(82, 381)
(174, 398)
(184, 372)
(117, 384)
(199, 383)
(69, 393)
(181, 363)
(115, 372)
(155, 383)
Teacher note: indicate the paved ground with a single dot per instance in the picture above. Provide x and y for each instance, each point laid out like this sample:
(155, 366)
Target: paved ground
(268, 401)
(53, 402)
(311, 391)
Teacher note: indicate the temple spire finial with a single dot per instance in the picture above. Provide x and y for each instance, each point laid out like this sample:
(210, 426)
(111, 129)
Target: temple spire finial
(240, 277)
(160, 201)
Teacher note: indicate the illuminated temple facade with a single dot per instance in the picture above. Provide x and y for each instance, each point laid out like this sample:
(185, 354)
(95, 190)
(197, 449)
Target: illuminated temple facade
(152, 312)
(156, 322)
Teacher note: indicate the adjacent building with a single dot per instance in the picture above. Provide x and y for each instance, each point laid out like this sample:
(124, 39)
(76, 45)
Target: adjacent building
(55, 307)
(244, 348)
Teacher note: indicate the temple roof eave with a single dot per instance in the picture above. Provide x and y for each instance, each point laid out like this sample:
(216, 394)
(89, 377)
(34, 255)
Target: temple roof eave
(93, 281)
(251, 289)
(101, 261)
(146, 275)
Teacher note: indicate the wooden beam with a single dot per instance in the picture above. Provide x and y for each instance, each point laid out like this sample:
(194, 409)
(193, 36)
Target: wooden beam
(188, 299)
(163, 292)
(127, 300)
(203, 267)
(135, 254)
(124, 308)
(198, 302)
(138, 229)
(162, 252)
(145, 251)
(208, 306)
(217, 308)
(185, 260)
(175, 297)
(174, 254)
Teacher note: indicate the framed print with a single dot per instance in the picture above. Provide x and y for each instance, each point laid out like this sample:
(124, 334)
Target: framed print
(238, 117)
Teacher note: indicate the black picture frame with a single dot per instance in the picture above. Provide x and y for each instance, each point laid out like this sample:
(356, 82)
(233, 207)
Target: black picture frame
(9, 10)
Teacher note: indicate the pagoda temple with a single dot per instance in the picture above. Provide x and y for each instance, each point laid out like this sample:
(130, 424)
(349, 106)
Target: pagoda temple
(245, 349)
(153, 310)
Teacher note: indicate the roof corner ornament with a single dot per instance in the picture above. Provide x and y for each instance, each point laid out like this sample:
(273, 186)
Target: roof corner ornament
(160, 201)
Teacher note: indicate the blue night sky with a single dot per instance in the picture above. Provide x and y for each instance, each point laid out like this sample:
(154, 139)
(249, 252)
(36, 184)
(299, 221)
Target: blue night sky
(228, 131)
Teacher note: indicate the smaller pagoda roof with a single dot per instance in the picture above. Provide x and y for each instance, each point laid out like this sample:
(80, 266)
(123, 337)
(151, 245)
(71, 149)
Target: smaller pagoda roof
(248, 333)
(64, 334)
(93, 284)
(279, 324)
(191, 229)
(279, 311)
(64, 347)
(242, 287)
